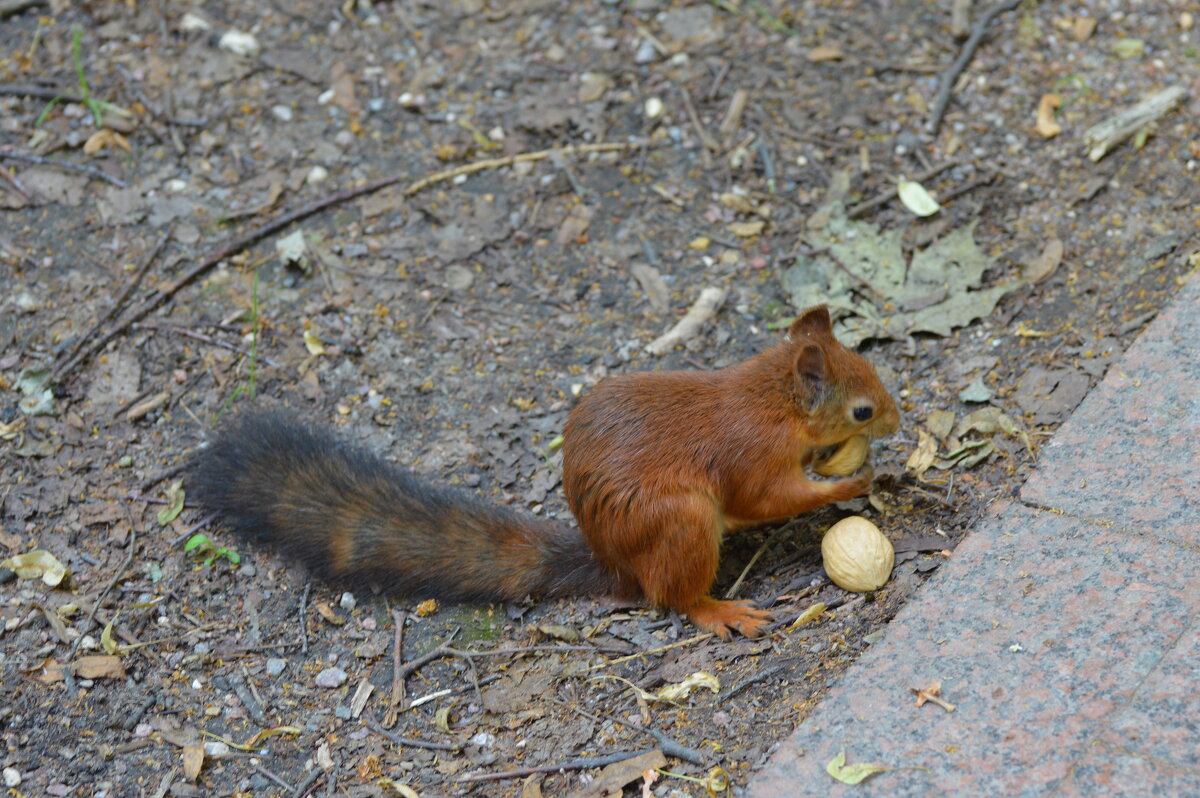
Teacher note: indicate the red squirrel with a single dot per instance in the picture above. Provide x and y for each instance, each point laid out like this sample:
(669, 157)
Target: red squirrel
(657, 467)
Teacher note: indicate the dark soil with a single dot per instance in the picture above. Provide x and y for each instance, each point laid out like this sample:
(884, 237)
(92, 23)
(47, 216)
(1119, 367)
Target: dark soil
(451, 330)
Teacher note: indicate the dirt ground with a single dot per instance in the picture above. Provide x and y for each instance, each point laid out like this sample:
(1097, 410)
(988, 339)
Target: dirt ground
(450, 326)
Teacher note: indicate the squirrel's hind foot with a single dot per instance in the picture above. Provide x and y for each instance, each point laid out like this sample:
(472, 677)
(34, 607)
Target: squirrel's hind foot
(719, 617)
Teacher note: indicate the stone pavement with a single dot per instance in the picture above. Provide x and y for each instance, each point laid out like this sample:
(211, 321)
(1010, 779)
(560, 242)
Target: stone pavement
(1066, 628)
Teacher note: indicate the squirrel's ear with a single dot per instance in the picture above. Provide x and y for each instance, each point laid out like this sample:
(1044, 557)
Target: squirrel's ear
(810, 365)
(814, 321)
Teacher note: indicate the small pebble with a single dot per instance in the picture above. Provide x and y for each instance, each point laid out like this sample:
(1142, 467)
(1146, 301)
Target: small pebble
(11, 777)
(275, 666)
(216, 748)
(646, 52)
(484, 740)
(331, 677)
(281, 112)
(348, 602)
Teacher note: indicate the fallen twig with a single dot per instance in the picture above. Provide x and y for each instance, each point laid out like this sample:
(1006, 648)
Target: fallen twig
(70, 167)
(650, 652)
(10, 7)
(705, 308)
(758, 677)
(509, 160)
(115, 308)
(38, 92)
(272, 776)
(582, 763)
(207, 339)
(17, 185)
(950, 76)
(309, 781)
(771, 539)
(131, 546)
(970, 185)
(375, 727)
(399, 617)
(1104, 136)
(669, 746)
(304, 618)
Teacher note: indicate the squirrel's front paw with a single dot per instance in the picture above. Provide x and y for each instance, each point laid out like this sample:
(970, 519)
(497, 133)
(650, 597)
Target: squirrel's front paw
(861, 480)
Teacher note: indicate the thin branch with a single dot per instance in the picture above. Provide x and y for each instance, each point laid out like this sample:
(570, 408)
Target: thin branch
(196, 336)
(670, 747)
(115, 308)
(399, 617)
(398, 740)
(582, 763)
(950, 76)
(70, 167)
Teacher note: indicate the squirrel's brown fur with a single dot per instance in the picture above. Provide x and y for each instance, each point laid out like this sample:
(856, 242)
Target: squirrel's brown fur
(657, 467)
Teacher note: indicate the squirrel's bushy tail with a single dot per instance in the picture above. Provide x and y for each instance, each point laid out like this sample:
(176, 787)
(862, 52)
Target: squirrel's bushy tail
(349, 516)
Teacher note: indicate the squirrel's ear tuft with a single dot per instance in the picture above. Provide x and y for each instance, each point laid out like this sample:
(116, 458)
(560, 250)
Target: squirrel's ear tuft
(814, 321)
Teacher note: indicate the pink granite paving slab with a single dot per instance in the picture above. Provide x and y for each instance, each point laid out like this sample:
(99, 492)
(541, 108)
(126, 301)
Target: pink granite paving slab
(1105, 772)
(1042, 628)
(1130, 454)
(1163, 719)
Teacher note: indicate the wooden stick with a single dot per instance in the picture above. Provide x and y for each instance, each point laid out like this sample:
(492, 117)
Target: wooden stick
(652, 651)
(70, 167)
(582, 763)
(1101, 138)
(399, 617)
(950, 76)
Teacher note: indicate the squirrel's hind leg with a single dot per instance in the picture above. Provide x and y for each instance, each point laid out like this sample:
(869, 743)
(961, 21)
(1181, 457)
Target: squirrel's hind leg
(677, 563)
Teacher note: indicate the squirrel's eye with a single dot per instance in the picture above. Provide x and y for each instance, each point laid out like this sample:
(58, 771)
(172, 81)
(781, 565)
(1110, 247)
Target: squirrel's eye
(863, 413)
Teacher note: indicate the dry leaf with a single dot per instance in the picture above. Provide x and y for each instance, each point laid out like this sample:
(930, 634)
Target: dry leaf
(193, 760)
(396, 787)
(1047, 263)
(809, 614)
(328, 613)
(851, 774)
(36, 564)
(1084, 28)
(105, 138)
(923, 456)
(916, 198)
(614, 777)
(699, 679)
(1046, 127)
(313, 344)
(427, 607)
(737, 202)
(825, 52)
(99, 666)
(532, 787)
